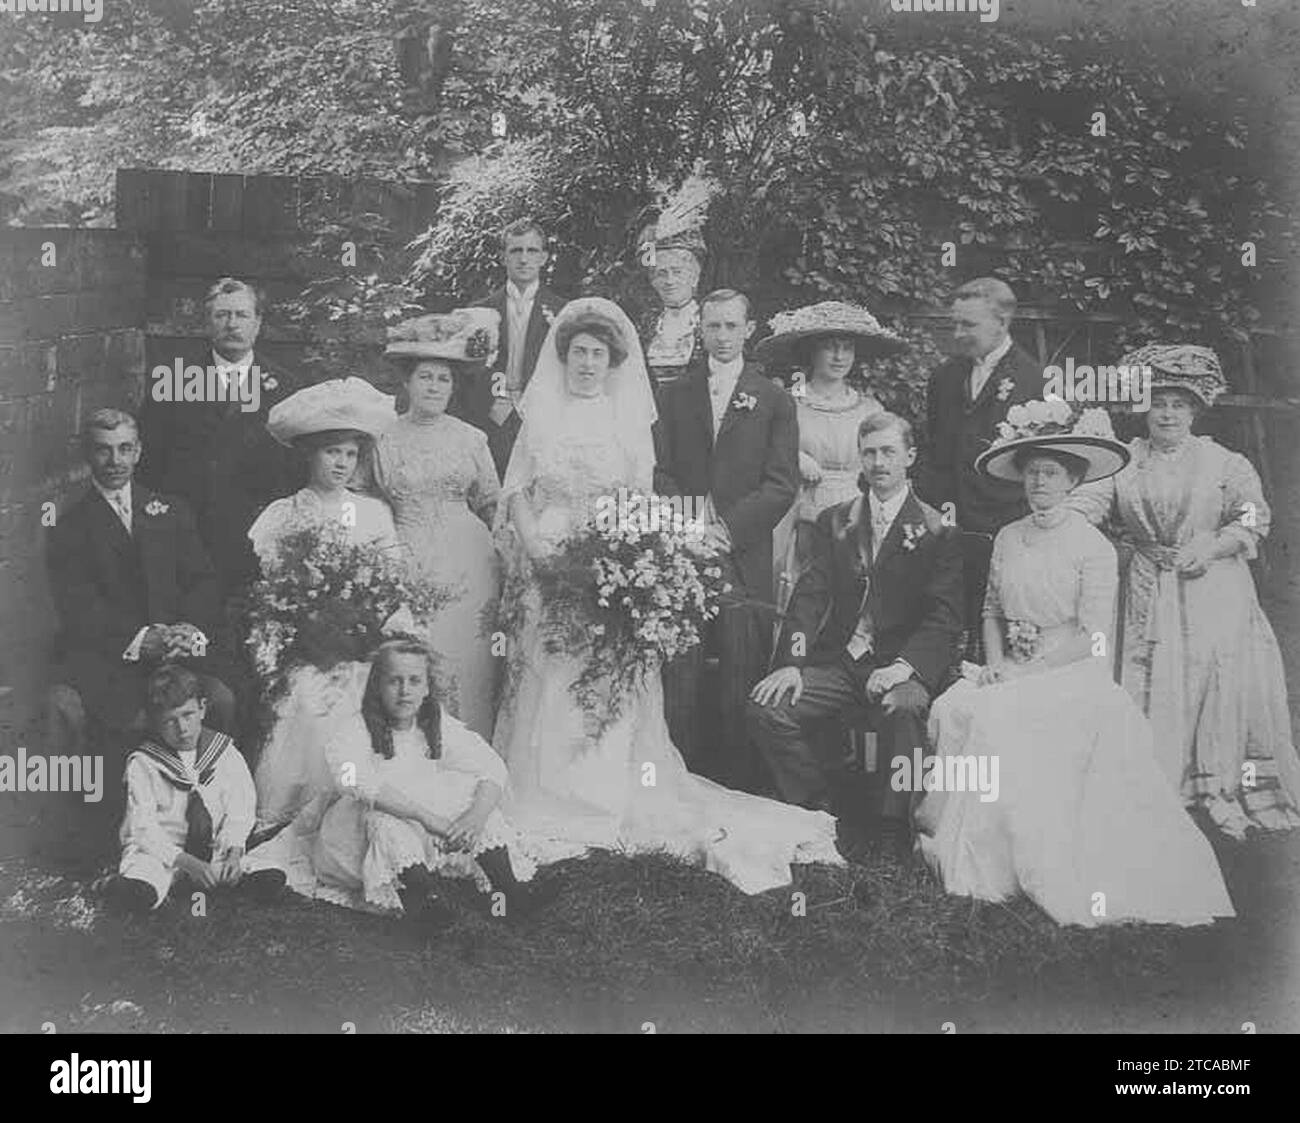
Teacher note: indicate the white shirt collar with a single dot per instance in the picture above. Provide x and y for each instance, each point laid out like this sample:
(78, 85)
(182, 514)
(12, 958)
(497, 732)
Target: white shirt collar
(726, 372)
(527, 296)
(991, 360)
(887, 512)
(227, 368)
(124, 492)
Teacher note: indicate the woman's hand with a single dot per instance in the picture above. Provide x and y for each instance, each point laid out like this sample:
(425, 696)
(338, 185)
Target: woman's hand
(229, 872)
(436, 825)
(809, 469)
(1194, 558)
(466, 828)
(996, 672)
(201, 873)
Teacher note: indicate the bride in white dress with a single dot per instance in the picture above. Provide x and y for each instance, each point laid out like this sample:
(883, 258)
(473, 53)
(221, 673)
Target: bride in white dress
(587, 416)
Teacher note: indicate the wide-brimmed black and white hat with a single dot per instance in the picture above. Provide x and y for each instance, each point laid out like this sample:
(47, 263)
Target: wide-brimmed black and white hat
(1053, 426)
(1188, 367)
(829, 317)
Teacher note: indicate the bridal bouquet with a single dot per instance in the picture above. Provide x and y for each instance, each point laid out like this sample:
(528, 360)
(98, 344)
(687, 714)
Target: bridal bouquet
(317, 572)
(623, 595)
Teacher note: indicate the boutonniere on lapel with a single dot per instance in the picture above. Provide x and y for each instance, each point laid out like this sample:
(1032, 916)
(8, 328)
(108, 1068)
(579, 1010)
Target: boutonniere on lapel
(744, 401)
(912, 534)
(1004, 389)
(156, 507)
(270, 382)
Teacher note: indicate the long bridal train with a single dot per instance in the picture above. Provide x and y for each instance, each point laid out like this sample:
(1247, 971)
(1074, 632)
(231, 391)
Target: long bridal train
(628, 788)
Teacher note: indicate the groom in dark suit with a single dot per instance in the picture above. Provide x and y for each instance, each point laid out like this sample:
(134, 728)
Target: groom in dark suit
(968, 396)
(526, 307)
(727, 439)
(216, 455)
(871, 631)
(132, 585)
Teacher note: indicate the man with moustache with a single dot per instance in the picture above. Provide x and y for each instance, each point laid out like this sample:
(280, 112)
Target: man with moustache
(526, 308)
(967, 398)
(871, 632)
(217, 455)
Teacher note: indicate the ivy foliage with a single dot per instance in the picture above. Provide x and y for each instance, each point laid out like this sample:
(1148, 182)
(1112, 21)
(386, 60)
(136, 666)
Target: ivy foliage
(855, 145)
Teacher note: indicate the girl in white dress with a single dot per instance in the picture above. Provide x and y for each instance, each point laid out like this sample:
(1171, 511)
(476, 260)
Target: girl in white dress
(412, 793)
(334, 425)
(1080, 816)
(587, 416)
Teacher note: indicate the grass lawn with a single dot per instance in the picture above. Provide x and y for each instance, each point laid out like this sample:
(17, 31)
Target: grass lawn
(631, 942)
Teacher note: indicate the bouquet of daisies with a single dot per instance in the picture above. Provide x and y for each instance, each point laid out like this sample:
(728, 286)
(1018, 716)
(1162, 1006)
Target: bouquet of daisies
(624, 595)
(319, 568)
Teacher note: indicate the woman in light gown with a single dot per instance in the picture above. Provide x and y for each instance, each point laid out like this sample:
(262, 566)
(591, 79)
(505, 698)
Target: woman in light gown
(333, 424)
(825, 340)
(1197, 652)
(1081, 819)
(438, 473)
(586, 431)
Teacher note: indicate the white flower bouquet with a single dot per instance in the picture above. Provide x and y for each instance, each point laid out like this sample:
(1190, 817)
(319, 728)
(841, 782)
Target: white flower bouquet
(319, 571)
(623, 596)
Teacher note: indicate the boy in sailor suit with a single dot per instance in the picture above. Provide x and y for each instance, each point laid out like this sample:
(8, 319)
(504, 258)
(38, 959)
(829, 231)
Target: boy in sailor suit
(190, 802)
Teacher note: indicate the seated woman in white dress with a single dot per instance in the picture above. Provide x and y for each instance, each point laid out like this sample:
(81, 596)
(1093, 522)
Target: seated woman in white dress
(1079, 816)
(334, 425)
(587, 417)
(413, 792)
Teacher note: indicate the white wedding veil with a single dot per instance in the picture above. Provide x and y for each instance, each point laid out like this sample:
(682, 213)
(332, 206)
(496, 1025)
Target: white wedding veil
(549, 412)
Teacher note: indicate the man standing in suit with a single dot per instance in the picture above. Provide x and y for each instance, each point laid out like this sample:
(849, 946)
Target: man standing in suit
(526, 307)
(133, 586)
(727, 438)
(215, 454)
(871, 631)
(968, 396)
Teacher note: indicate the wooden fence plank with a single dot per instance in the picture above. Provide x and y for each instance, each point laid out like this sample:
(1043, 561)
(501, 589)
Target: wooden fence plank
(270, 205)
(226, 213)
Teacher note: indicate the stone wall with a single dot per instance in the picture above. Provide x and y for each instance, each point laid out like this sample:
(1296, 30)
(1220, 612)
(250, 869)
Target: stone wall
(71, 306)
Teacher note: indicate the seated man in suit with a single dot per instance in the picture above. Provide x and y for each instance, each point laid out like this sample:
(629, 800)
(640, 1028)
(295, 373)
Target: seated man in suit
(526, 307)
(133, 586)
(871, 631)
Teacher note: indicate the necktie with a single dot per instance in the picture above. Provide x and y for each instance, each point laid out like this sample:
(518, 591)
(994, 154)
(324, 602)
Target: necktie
(879, 529)
(198, 824)
(123, 511)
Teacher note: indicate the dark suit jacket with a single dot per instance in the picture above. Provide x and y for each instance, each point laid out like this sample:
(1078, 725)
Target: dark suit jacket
(107, 585)
(474, 398)
(914, 595)
(959, 430)
(223, 463)
(752, 471)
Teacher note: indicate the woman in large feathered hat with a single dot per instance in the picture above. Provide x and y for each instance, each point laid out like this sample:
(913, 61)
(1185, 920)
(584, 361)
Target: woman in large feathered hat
(1196, 651)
